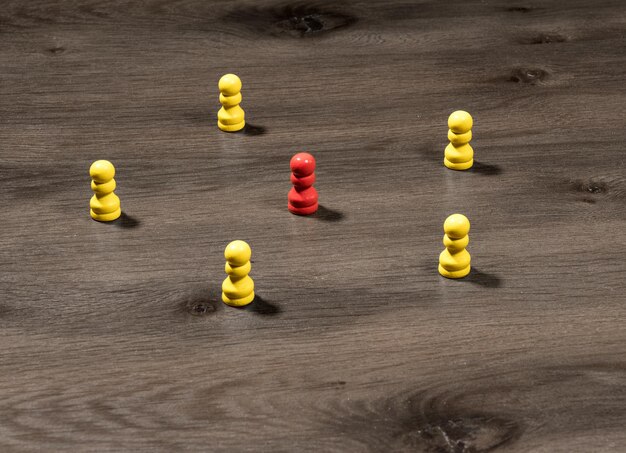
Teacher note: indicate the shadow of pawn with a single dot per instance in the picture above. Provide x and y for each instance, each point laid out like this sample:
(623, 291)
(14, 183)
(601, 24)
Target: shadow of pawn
(484, 279)
(328, 215)
(262, 307)
(252, 130)
(485, 169)
(126, 221)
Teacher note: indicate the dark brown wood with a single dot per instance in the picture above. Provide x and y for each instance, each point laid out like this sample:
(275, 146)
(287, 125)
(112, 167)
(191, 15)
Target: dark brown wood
(113, 337)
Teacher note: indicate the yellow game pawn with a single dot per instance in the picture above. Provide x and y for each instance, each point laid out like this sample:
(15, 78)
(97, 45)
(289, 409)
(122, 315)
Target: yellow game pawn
(238, 288)
(105, 205)
(454, 261)
(230, 118)
(459, 155)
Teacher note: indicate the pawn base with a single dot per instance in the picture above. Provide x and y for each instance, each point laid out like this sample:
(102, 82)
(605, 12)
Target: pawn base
(308, 210)
(454, 274)
(108, 217)
(238, 302)
(458, 165)
(231, 127)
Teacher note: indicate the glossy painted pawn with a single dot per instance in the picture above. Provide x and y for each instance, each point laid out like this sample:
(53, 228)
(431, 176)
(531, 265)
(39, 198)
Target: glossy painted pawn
(230, 117)
(454, 261)
(104, 204)
(238, 287)
(459, 154)
(302, 198)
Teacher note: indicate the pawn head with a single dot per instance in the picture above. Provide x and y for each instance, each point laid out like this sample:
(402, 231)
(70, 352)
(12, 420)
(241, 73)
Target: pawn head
(230, 84)
(302, 164)
(102, 171)
(237, 253)
(456, 226)
(460, 122)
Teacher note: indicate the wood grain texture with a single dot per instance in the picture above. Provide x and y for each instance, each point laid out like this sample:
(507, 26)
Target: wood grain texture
(113, 337)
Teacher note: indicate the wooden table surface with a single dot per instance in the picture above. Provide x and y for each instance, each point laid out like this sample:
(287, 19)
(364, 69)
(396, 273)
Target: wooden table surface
(113, 336)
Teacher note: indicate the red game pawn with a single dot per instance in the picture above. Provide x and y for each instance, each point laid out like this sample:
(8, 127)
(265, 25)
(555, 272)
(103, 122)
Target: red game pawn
(302, 198)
